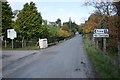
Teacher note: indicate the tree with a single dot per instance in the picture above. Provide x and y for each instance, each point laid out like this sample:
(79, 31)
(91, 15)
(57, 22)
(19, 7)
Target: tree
(117, 4)
(0, 18)
(93, 22)
(63, 34)
(65, 27)
(102, 7)
(52, 33)
(29, 21)
(6, 18)
(73, 27)
(58, 22)
(81, 28)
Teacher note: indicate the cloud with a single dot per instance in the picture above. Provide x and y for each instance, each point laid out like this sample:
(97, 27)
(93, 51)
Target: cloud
(64, 16)
(61, 10)
(53, 11)
(44, 9)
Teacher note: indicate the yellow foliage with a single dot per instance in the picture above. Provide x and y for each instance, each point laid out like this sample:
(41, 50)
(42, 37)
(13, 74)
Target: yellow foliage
(88, 30)
(63, 33)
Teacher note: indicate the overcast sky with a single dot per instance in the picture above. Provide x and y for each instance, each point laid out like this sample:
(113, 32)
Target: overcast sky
(53, 10)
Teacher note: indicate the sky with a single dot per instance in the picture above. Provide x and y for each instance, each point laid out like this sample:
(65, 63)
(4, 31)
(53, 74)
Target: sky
(53, 10)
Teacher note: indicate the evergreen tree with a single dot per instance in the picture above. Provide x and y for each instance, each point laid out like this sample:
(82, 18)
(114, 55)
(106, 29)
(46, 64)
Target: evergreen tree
(6, 18)
(29, 22)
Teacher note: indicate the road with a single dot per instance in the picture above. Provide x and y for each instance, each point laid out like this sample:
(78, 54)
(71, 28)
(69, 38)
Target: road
(64, 60)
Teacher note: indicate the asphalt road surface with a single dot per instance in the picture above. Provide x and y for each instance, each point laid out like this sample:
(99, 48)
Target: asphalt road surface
(64, 60)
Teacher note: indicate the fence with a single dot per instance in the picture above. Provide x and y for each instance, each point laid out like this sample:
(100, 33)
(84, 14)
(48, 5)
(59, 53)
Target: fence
(18, 44)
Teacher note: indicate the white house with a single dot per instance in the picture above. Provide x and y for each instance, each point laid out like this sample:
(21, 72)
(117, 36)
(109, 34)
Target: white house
(15, 14)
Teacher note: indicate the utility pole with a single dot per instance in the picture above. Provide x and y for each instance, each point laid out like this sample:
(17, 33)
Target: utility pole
(70, 23)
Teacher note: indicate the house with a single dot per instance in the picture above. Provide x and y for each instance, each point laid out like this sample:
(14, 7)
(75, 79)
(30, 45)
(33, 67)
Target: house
(44, 22)
(15, 14)
(48, 23)
(51, 23)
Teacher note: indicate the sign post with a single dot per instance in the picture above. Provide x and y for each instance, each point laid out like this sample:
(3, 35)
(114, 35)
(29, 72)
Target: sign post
(101, 33)
(104, 45)
(11, 33)
(5, 44)
(12, 44)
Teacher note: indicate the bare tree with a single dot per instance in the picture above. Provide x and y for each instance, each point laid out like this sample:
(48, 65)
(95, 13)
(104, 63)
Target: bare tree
(104, 8)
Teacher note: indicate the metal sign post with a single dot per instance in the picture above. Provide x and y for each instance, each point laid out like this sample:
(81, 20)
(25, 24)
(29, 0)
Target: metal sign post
(12, 44)
(104, 45)
(5, 43)
(101, 33)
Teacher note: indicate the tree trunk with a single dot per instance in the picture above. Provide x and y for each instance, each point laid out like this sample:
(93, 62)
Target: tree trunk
(25, 43)
(22, 42)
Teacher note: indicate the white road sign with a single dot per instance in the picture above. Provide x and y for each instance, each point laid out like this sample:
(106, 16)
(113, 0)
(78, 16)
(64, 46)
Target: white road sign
(100, 31)
(11, 33)
(101, 35)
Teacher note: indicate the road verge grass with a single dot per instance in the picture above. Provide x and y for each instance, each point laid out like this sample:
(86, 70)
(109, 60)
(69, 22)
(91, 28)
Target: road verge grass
(102, 64)
(24, 48)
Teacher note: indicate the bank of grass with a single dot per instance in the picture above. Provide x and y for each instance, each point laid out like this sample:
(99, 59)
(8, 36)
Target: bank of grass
(24, 48)
(102, 64)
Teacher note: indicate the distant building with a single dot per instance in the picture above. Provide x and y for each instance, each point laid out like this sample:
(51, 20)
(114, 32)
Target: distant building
(15, 14)
(44, 22)
(52, 23)
(48, 23)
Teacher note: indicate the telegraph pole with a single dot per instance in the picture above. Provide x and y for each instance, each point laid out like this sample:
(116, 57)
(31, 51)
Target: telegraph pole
(70, 23)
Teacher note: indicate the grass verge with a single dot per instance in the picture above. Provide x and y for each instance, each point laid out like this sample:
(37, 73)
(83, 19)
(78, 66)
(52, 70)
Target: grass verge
(102, 64)
(24, 48)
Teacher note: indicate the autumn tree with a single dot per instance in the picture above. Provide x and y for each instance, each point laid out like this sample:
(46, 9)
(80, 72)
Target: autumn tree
(117, 4)
(93, 22)
(63, 34)
(102, 7)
